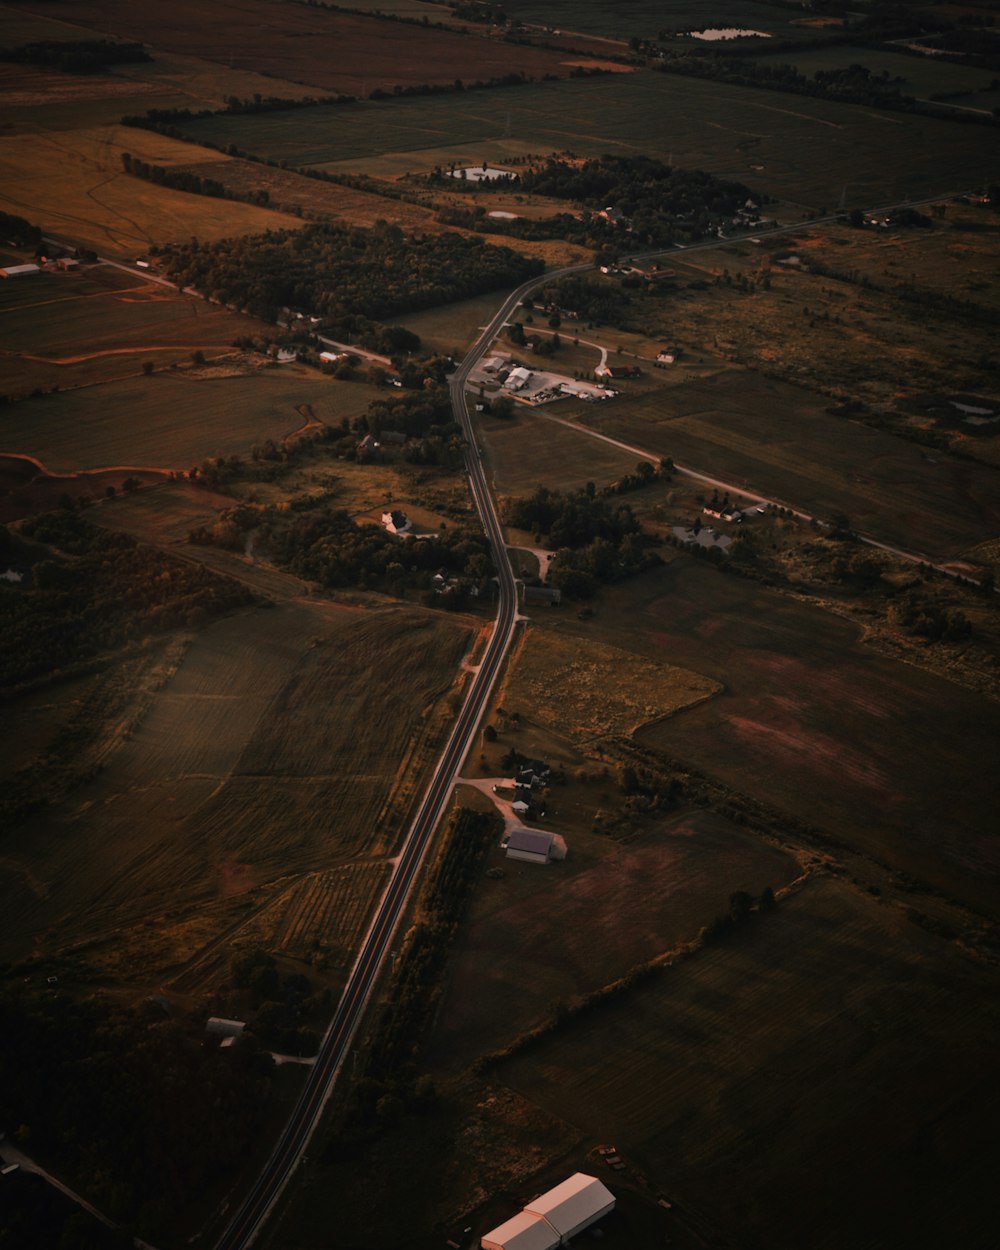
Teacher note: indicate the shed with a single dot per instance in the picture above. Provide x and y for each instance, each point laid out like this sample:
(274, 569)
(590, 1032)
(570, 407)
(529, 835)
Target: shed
(530, 845)
(573, 1206)
(329, 357)
(521, 1232)
(520, 807)
(18, 271)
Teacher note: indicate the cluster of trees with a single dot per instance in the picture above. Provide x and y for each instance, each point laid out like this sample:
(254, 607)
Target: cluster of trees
(595, 303)
(78, 56)
(597, 540)
(390, 1084)
(282, 1006)
(98, 590)
(131, 1106)
(337, 271)
(185, 180)
(742, 905)
(659, 201)
(166, 120)
(20, 232)
(919, 614)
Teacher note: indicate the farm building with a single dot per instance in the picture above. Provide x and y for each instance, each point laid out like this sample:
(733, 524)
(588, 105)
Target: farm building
(573, 1206)
(548, 595)
(518, 378)
(522, 1232)
(617, 371)
(328, 358)
(396, 522)
(18, 271)
(531, 846)
(219, 1026)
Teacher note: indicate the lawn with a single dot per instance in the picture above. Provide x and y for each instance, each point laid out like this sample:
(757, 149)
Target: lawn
(826, 1051)
(174, 419)
(797, 149)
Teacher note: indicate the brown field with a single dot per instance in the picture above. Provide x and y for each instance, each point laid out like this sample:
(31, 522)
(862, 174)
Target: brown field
(99, 324)
(828, 1070)
(71, 183)
(565, 682)
(869, 750)
(332, 51)
(175, 419)
(778, 440)
(271, 752)
(642, 899)
(26, 489)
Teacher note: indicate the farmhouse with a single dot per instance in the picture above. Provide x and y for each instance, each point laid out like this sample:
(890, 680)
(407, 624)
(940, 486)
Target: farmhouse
(396, 522)
(521, 1232)
(18, 271)
(573, 1206)
(613, 215)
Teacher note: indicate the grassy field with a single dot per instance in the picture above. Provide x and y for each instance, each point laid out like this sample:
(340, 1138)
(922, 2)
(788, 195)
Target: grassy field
(825, 1051)
(99, 324)
(804, 722)
(71, 183)
(173, 420)
(641, 899)
(622, 19)
(780, 441)
(797, 149)
(922, 76)
(271, 752)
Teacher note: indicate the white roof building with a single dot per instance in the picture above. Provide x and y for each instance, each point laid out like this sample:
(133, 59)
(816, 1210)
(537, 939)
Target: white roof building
(522, 1232)
(18, 271)
(573, 1206)
(518, 379)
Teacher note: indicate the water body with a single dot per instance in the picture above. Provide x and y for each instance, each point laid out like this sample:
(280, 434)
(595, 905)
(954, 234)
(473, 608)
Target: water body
(728, 32)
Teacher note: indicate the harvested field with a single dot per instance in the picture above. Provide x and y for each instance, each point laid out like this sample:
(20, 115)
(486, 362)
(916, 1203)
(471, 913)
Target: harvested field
(71, 183)
(26, 489)
(812, 722)
(794, 148)
(641, 899)
(98, 324)
(272, 752)
(827, 1049)
(173, 420)
(566, 683)
(780, 441)
(332, 51)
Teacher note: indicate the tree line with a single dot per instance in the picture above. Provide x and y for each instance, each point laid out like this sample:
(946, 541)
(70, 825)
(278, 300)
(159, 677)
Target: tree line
(77, 56)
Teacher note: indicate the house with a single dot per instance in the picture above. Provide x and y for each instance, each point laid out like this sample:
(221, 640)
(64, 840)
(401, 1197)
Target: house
(67, 262)
(533, 773)
(396, 522)
(522, 1232)
(613, 215)
(219, 1026)
(530, 845)
(520, 808)
(393, 438)
(18, 271)
(367, 449)
(617, 371)
(667, 355)
(548, 595)
(573, 1206)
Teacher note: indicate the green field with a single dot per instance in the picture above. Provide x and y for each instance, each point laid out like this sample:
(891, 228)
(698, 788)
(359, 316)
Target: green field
(797, 149)
(173, 420)
(922, 76)
(822, 1078)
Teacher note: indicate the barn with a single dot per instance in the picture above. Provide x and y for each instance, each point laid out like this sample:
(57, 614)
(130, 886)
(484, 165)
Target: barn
(521, 1232)
(527, 844)
(573, 1206)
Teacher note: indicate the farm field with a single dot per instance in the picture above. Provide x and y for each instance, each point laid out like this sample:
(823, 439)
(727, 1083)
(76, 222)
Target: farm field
(329, 50)
(826, 1049)
(796, 149)
(642, 899)
(803, 722)
(213, 795)
(174, 420)
(742, 427)
(922, 76)
(71, 184)
(644, 18)
(98, 324)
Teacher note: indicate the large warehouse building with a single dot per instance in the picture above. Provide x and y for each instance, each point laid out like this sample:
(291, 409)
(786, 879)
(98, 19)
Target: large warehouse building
(553, 1218)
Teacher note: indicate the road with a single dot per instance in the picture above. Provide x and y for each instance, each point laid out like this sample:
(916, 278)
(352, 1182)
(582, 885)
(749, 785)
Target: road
(259, 1202)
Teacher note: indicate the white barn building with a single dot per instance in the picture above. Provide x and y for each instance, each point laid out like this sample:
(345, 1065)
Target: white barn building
(573, 1206)
(522, 1232)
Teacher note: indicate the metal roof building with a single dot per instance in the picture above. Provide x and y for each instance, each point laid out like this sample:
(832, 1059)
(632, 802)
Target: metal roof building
(573, 1205)
(527, 844)
(522, 1232)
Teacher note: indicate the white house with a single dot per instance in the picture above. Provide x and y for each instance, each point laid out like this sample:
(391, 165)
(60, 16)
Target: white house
(329, 357)
(396, 522)
(522, 1232)
(573, 1206)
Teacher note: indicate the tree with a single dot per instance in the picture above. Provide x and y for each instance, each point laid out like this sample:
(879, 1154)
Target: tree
(148, 366)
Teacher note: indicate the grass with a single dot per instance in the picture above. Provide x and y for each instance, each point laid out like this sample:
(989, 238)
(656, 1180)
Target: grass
(822, 1052)
(71, 183)
(234, 783)
(565, 684)
(804, 723)
(173, 420)
(98, 324)
(796, 149)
